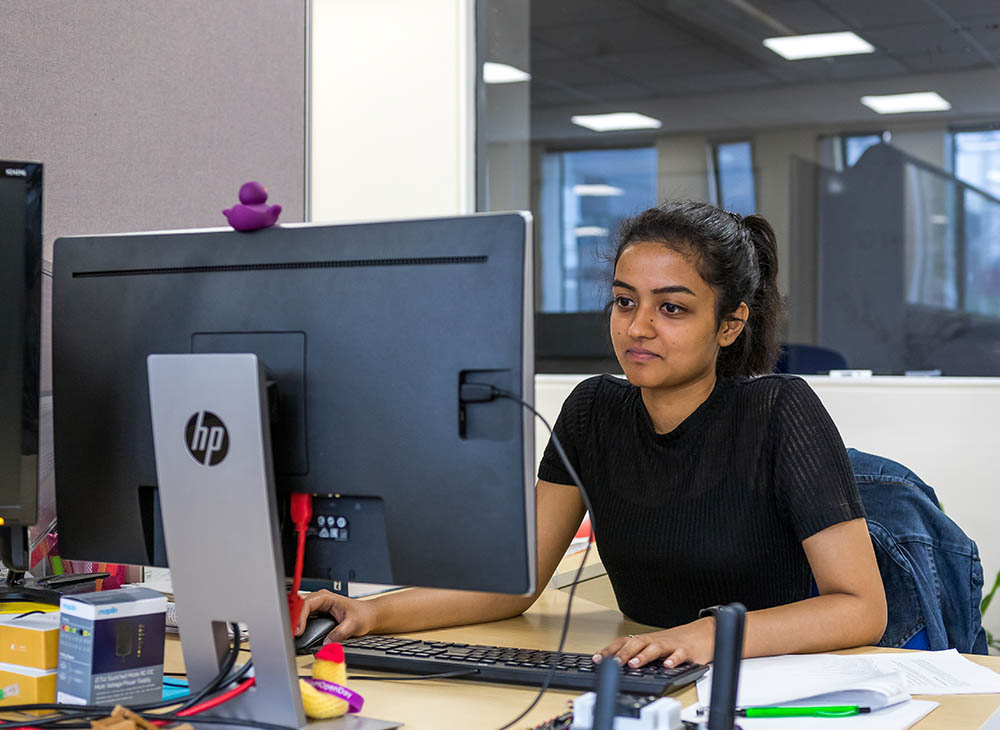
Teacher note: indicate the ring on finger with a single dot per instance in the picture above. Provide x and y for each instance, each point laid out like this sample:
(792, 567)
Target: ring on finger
(631, 636)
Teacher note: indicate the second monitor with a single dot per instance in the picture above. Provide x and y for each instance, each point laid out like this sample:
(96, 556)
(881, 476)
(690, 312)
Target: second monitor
(368, 330)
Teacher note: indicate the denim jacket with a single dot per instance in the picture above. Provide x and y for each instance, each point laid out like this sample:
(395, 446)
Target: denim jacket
(930, 568)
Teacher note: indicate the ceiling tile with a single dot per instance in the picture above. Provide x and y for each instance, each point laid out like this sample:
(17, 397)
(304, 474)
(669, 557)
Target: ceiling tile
(544, 52)
(914, 38)
(616, 92)
(622, 36)
(966, 9)
(709, 83)
(864, 14)
(845, 68)
(802, 16)
(673, 61)
(545, 13)
(986, 34)
(721, 11)
(573, 72)
(933, 62)
(551, 96)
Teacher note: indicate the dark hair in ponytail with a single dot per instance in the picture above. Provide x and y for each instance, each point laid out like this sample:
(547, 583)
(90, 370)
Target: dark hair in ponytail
(737, 257)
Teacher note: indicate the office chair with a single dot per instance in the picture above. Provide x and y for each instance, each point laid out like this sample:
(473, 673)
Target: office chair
(808, 359)
(930, 568)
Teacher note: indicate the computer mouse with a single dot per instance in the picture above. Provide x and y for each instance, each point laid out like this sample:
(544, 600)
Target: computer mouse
(318, 625)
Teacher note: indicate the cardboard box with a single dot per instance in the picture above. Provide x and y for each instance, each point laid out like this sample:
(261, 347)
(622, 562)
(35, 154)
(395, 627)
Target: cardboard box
(111, 647)
(25, 685)
(30, 641)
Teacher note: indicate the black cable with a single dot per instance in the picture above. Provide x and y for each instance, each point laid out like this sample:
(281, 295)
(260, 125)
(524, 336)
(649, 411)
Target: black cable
(52, 721)
(57, 722)
(222, 678)
(192, 719)
(66, 710)
(500, 393)
(27, 613)
(240, 673)
(414, 678)
(408, 678)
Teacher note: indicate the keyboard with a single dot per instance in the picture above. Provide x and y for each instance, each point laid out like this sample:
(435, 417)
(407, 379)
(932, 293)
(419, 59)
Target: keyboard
(506, 664)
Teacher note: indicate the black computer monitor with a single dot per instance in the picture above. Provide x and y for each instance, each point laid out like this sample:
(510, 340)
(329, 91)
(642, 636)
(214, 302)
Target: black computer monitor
(368, 331)
(20, 356)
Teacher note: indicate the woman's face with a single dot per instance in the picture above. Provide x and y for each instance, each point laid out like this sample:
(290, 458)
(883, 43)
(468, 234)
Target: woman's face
(663, 318)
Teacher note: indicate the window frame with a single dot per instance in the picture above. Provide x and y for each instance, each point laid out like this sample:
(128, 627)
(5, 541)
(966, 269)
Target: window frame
(714, 168)
(643, 142)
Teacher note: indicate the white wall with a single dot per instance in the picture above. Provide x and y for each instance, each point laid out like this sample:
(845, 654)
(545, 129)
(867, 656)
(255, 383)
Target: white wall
(392, 122)
(944, 429)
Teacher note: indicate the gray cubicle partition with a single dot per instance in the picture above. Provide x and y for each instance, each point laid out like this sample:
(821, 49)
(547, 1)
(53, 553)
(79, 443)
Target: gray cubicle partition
(148, 115)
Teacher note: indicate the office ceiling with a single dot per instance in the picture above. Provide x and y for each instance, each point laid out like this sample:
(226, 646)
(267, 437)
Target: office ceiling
(589, 56)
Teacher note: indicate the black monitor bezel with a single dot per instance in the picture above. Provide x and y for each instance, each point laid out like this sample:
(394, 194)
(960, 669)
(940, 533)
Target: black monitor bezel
(25, 512)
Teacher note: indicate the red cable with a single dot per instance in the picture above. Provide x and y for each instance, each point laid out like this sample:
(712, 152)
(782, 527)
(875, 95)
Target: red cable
(300, 554)
(301, 509)
(219, 699)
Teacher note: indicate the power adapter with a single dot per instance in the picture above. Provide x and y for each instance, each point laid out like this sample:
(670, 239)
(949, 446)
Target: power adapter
(631, 712)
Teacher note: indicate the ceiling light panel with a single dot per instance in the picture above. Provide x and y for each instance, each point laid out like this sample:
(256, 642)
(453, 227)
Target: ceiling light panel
(818, 45)
(616, 122)
(501, 73)
(581, 231)
(924, 101)
(597, 190)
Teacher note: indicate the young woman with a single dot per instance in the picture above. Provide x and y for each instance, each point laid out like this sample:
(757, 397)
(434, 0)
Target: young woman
(708, 485)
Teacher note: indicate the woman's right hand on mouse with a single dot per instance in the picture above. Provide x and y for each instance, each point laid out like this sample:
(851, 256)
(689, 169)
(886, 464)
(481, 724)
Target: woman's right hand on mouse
(354, 618)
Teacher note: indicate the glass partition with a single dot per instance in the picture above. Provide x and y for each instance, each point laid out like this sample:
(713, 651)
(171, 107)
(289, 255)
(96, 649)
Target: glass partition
(588, 192)
(885, 209)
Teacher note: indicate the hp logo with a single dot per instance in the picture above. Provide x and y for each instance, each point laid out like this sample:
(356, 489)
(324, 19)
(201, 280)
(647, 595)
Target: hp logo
(207, 438)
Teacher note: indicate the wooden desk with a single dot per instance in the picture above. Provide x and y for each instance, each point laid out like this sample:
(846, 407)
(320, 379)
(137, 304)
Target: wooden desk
(458, 705)
(567, 569)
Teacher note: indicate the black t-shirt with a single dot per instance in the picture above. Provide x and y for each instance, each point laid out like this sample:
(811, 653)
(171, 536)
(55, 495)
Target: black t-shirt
(714, 511)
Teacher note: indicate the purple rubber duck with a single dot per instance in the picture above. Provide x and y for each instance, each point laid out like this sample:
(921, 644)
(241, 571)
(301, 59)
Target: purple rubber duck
(253, 212)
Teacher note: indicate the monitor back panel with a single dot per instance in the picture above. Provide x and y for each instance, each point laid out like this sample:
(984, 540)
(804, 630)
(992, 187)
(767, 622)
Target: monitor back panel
(368, 331)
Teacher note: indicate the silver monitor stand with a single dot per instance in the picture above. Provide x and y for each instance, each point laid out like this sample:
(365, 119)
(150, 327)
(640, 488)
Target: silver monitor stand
(212, 440)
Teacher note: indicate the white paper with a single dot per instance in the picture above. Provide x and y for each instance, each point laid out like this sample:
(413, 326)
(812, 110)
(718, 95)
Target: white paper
(812, 679)
(839, 678)
(897, 717)
(938, 672)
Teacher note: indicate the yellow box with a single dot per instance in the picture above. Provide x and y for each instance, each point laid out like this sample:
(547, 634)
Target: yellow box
(25, 685)
(30, 641)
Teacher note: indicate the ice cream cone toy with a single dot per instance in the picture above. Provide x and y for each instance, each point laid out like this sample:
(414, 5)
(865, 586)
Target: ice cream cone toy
(325, 696)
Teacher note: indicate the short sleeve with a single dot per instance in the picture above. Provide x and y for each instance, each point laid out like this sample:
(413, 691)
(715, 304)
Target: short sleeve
(571, 428)
(814, 482)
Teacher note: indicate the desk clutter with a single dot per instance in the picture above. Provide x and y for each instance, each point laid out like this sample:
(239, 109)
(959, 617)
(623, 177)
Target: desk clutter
(111, 647)
(860, 690)
(36, 646)
(28, 657)
(101, 648)
(106, 648)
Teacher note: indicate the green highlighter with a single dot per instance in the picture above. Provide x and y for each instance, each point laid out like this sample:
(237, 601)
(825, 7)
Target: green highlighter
(830, 711)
